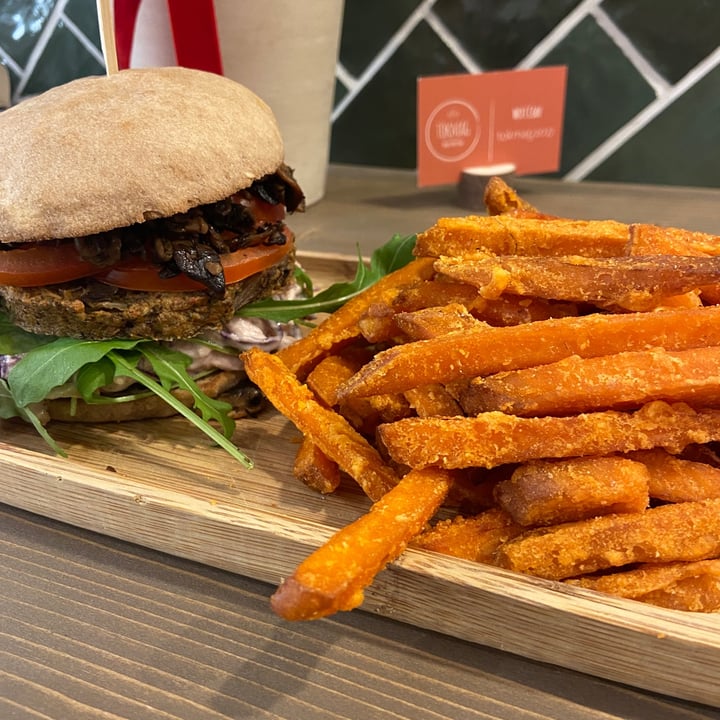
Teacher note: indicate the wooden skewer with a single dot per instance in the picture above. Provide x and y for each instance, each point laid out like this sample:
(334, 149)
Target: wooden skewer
(107, 36)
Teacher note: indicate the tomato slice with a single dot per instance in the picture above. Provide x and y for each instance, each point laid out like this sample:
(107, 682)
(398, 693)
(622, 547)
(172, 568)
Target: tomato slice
(50, 264)
(43, 264)
(136, 274)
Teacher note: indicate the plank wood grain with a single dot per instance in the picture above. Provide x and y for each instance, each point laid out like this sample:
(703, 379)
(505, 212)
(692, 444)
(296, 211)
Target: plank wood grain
(161, 485)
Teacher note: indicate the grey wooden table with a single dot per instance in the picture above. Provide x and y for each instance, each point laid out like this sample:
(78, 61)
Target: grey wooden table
(91, 627)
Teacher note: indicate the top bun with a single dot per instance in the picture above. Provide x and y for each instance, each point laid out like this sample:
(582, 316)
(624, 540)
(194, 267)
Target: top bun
(105, 152)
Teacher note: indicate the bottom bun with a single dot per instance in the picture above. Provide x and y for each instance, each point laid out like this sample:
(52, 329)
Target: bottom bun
(232, 387)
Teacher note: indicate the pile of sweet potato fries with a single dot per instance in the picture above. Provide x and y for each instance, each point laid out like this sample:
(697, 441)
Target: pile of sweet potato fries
(553, 384)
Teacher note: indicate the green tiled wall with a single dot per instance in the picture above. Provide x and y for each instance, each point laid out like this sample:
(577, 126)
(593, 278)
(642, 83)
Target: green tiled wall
(643, 101)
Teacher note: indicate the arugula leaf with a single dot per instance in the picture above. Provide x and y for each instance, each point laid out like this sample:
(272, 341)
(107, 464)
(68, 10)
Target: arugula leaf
(9, 409)
(48, 366)
(93, 376)
(393, 255)
(128, 368)
(49, 363)
(97, 363)
(170, 367)
(15, 341)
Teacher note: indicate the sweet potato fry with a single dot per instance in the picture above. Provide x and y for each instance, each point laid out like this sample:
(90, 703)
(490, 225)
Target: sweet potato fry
(364, 414)
(495, 438)
(507, 235)
(315, 469)
(501, 199)
(647, 578)
(434, 321)
(647, 239)
(547, 492)
(435, 293)
(334, 576)
(675, 479)
(681, 531)
(516, 310)
(325, 379)
(432, 401)
(472, 538)
(631, 283)
(342, 326)
(619, 381)
(487, 350)
(377, 325)
(327, 376)
(328, 430)
(698, 593)
(505, 310)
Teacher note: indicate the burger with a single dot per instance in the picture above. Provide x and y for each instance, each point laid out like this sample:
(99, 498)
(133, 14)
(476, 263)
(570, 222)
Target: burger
(140, 212)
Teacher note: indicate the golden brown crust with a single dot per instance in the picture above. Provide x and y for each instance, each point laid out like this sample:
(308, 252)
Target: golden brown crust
(106, 152)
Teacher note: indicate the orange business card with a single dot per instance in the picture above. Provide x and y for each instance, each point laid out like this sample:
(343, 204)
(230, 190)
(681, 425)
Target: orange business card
(513, 116)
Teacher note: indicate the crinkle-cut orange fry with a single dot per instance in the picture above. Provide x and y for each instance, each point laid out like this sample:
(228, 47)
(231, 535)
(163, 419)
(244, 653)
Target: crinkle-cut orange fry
(472, 538)
(631, 283)
(548, 492)
(342, 326)
(487, 350)
(675, 479)
(618, 381)
(328, 430)
(646, 578)
(507, 235)
(501, 199)
(315, 469)
(668, 533)
(495, 438)
(334, 577)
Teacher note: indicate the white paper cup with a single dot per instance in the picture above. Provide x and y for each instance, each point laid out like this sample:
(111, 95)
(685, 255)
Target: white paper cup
(285, 52)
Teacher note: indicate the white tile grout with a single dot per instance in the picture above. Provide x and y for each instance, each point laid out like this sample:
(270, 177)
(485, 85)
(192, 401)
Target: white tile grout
(39, 47)
(83, 39)
(653, 78)
(383, 56)
(10, 62)
(558, 34)
(666, 93)
(452, 43)
(342, 74)
(637, 123)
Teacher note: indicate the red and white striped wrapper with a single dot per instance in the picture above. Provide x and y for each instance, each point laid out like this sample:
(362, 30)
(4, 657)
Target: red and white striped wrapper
(286, 52)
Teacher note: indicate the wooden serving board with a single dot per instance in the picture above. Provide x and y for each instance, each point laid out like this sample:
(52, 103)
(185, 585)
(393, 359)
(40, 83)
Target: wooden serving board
(162, 485)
